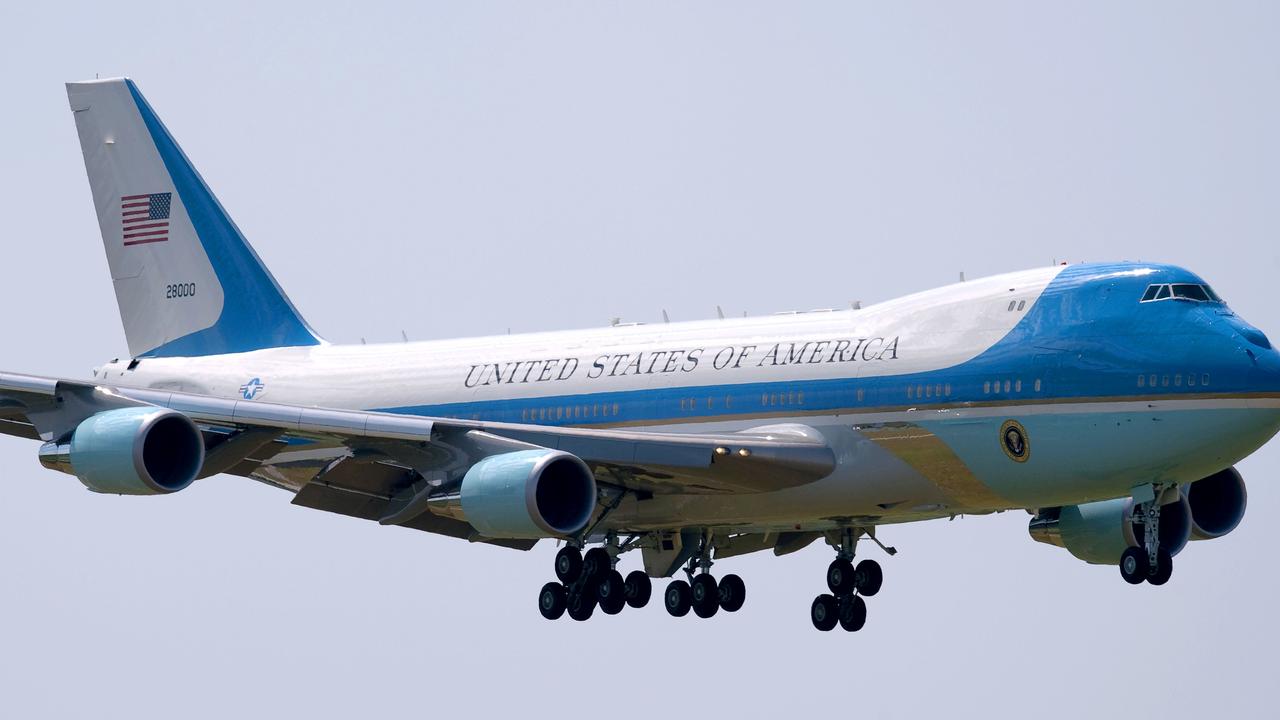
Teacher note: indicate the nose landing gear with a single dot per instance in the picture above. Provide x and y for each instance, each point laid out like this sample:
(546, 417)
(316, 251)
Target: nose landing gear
(1150, 562)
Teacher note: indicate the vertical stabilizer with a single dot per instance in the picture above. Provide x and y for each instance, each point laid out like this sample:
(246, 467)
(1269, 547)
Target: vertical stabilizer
(186, 280)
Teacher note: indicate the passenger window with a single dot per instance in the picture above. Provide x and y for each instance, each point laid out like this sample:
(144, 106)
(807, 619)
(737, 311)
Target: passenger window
(1017, 387)
(1142, 381)
(1037, 386)
(1191, 379)
(986, 388)
(1022, 304)
(1177, 380)
(1012, 304)
(1204, 379)
(1006, 386)
(861, 395)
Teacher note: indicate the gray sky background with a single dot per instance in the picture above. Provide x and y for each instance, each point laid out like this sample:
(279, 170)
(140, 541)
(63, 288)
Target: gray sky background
(465, 168)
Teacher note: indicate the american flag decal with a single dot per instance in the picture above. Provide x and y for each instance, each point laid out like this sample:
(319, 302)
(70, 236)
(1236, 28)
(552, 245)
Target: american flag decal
(145, 218)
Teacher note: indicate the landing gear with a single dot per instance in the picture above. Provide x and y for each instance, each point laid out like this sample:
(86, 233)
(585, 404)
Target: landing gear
(825, 612)
(705, 596)
(1149, 561)
(848, 584)
(611, 592)
(678, 598)
(637, 588)
(591, 580)
(552, 601)
(733, 592)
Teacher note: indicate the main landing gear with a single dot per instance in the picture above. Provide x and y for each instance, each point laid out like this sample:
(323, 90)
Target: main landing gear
(586, 582)
(702, 593)
(1150, 562)
(849, 584)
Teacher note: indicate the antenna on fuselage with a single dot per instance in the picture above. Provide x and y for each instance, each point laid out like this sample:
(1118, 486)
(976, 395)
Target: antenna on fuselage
(719, 312)
(613, 322)
(362, 342)
(855, 305)
(961, 276)
(665, 319)
(404, 335)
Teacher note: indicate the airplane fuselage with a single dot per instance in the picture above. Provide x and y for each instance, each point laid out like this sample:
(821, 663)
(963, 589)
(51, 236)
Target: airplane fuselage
(1025, 390)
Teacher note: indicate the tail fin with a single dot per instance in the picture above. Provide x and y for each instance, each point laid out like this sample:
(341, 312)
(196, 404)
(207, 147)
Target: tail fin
(186, 280)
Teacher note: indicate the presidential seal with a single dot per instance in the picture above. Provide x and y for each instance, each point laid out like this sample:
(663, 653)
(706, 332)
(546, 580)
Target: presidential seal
(1014, 442)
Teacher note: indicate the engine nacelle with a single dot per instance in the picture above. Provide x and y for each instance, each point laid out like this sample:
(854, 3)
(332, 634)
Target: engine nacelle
(131, 451)
(1099, 532)
(1217, 504)
(524, 494)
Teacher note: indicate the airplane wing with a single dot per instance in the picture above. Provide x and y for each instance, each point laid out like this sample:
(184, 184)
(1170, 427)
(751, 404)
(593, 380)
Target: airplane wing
(386, 466)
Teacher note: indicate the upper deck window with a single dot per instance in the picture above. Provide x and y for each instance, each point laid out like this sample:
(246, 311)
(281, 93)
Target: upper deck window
(1181, 291)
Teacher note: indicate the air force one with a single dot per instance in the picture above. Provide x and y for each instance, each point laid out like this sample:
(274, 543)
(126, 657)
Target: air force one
(1110, 401)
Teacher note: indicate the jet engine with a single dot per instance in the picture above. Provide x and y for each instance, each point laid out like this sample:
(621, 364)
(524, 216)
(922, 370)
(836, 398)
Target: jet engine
(130, 451)
(523, 494)
(1217, 504)
(1099, 532)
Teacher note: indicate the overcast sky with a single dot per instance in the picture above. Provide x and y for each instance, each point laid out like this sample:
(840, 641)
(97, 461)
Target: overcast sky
(465, 168)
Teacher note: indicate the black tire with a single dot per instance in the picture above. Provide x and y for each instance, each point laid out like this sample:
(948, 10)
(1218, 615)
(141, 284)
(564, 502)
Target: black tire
(868, 577)
(1134, 566)
(678, 598)
(582, 604)
(611, 593)
(840, 577)
(824, 612)
(853, 613)
(637, 588)
(596, 563)
(705, 595)
(733, 592)
(1163, 570)
(568, 564)
(552, 600)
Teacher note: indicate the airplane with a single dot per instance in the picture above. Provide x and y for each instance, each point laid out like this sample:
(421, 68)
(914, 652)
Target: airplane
(1111, 401)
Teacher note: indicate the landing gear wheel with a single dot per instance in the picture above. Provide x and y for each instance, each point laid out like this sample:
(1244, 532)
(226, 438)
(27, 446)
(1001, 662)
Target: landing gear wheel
(868, 577)
(611, 593)
(824, 612)
(840, 577)
(853, 613)
(705, 595)
(582, 604)
(678, 598)
(637, 588)
(733, 592)
(596, 563)
(1163, 569)
(552, 601)
(568, 564)
(1134, 566)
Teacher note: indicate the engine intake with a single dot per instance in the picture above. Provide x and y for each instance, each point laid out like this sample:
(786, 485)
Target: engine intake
(1217, 504)
(131, 451)
(523, 494)
(1100, 532)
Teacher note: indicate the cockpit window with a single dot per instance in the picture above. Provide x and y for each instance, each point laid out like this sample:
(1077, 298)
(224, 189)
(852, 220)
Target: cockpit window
(1181, 291)
(1190, 292)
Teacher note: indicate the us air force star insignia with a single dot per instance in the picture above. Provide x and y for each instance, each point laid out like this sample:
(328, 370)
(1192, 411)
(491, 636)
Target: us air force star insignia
(1014, 442)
